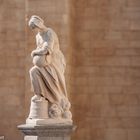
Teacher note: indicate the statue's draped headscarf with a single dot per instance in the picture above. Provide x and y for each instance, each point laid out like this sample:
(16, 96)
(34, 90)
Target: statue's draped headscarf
(36, 20)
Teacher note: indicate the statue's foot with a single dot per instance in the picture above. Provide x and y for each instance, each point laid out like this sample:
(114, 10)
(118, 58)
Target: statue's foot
(36, 98)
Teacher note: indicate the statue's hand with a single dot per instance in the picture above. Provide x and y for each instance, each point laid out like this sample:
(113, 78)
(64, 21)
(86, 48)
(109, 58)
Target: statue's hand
(33, 54)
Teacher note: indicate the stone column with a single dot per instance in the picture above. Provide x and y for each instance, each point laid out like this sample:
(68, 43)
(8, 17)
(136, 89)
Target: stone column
(47, 132)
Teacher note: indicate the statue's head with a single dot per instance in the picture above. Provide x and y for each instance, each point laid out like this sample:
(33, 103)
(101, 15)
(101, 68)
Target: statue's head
(36, 22)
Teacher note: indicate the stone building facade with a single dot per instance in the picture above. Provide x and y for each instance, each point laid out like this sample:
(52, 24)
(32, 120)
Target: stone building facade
(101, 42)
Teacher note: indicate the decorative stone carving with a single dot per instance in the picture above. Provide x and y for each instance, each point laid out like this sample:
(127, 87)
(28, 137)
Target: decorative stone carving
(50, 103)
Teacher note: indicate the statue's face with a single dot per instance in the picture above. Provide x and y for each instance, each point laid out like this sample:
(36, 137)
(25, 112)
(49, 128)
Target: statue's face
(32, 25)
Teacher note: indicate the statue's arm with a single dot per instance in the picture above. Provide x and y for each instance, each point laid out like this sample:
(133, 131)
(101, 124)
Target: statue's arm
(47, 47)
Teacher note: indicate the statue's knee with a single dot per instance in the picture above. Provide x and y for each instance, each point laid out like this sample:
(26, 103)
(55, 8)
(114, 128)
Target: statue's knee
(33, 71)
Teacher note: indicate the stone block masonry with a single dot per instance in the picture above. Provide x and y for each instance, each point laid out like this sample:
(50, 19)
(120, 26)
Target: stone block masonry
(106, 70)
(100, 39)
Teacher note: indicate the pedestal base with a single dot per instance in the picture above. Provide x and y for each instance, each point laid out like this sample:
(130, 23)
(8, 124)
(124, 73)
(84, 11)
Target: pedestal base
(49, 121)
(45, 138)
(47, 132)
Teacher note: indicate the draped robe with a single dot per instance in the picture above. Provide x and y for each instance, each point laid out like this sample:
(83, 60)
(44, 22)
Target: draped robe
(47, 74)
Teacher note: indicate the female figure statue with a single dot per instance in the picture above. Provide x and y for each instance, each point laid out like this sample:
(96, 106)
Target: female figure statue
(47, 74)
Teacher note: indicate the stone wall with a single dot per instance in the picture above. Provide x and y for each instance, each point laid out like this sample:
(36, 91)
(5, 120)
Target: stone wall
(106, 100)
(100, 40)
(12, 67)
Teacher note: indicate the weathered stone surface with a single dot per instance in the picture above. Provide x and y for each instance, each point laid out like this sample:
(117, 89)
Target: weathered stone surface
(47, 132)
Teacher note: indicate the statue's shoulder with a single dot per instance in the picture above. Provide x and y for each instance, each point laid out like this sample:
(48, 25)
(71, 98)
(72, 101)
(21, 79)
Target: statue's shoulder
(49, 33)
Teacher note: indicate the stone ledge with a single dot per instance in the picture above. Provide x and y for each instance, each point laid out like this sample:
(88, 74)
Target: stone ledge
(48, 122)
(47, 130)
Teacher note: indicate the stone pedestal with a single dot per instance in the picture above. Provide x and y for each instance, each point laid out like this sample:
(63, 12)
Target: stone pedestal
(47, 132)
(38, 108)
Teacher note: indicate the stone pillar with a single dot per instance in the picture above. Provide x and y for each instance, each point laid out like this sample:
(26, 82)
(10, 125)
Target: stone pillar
(47, 132)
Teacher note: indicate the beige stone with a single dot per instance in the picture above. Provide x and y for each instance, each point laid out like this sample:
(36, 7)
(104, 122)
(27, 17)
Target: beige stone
(133, 134)
(107, 32)
(116, 134)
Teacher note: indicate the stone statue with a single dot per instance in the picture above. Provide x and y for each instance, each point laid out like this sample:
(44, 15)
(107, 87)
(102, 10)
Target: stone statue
(50, 101)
